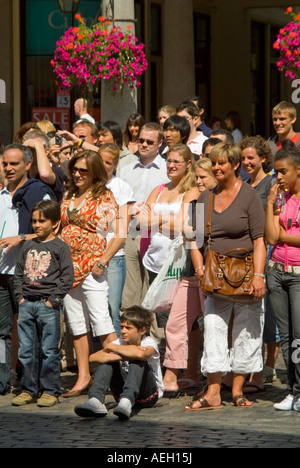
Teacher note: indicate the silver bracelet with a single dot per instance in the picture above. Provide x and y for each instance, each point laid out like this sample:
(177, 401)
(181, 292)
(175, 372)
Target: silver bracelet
(260, 275)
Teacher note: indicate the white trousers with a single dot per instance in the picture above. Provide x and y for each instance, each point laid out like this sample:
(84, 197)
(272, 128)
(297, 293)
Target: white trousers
(245, 355)
(87, 307)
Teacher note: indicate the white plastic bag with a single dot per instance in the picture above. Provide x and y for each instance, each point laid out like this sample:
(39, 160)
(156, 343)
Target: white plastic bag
(162, 291)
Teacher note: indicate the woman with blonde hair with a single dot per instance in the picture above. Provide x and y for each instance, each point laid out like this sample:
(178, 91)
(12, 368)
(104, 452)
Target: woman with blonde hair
(164, 213)
(164, 205)
(205, 178)
(164, 113)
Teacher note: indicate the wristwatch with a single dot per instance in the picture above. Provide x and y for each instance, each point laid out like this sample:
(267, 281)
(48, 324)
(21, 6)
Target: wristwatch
(80, 143)
(101, 266)
(23, 238)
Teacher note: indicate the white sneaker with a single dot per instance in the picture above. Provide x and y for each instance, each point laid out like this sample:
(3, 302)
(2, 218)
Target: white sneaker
(124, 409)
(296, 406)
(93, 408)
(287, 404)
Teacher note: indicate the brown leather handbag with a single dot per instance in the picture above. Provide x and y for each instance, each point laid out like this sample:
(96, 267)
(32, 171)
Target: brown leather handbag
(226, 276)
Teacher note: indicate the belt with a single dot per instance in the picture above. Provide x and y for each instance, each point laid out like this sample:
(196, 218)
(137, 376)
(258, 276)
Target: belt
(34, 298)
(294, 270)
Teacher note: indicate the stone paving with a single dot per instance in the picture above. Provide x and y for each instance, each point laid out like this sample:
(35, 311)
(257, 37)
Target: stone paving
(166, 426)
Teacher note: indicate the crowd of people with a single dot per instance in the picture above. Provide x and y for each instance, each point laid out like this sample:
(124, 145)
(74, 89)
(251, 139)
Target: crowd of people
(87, 219)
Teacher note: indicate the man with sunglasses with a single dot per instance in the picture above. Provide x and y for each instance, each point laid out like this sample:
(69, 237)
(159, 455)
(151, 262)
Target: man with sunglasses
(143, 176)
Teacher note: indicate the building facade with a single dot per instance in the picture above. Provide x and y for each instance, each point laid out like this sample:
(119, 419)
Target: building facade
(219, 50)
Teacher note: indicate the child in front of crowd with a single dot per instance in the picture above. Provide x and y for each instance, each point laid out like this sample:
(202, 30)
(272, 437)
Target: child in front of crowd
(130, 367)
(43, 276)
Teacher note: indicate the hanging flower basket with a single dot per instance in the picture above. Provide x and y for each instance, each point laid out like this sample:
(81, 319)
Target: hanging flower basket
(288, 45)
(85, 56)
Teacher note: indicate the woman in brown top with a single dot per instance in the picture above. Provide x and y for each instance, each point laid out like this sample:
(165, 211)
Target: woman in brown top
(237, 222)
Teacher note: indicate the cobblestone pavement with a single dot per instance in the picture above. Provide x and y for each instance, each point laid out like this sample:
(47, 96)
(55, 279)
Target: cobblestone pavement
(165, 426)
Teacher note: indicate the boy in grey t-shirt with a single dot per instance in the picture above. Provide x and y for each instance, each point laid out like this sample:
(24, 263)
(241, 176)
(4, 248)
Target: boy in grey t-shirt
(43, 276)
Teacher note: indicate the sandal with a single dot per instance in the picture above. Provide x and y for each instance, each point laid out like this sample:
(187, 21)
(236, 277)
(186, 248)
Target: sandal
(240, 401)
(204, 406)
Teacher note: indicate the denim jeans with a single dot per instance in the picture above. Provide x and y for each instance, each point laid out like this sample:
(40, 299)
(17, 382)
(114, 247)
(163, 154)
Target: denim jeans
(138, 385)
(116, 280)
(39, 352)
(8, 307)
(284, 295)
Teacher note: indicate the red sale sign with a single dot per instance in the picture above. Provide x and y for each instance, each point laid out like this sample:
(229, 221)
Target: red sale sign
(59, 116)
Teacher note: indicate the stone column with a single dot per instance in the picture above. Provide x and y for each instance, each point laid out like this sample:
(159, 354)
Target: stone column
(231, 52)
(178, 53)
(122, 105)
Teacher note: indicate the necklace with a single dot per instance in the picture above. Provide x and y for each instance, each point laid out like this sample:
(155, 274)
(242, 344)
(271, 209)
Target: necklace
(73, 211)
(220, 198)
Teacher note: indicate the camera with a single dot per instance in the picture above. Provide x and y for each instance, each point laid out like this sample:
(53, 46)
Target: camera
(58, 140)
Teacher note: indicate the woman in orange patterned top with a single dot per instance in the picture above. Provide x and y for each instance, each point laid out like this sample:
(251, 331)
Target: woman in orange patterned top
(87, 211)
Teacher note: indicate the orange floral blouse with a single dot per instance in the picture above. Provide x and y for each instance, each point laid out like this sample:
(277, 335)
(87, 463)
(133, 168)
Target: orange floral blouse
(85, 235)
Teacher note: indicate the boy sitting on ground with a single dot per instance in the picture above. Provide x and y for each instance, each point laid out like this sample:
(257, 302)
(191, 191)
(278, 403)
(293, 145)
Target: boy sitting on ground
(130, 367)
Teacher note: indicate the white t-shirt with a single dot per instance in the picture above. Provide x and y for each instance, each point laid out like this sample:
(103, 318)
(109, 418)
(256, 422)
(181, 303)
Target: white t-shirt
(123, 194)
(153, 361)
(195, 144)
(86, 117)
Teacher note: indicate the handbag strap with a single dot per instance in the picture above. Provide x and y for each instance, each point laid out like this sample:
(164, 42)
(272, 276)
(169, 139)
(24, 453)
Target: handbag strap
(208, 221)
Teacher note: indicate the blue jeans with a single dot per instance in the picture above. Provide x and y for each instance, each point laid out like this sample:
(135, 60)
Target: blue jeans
(8, 307)
(116, 279)
(39, 353)
(284, 296)
(138, 385)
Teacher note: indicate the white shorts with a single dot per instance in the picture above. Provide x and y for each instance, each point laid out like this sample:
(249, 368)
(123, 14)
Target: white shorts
(87, 307)
(245, 355)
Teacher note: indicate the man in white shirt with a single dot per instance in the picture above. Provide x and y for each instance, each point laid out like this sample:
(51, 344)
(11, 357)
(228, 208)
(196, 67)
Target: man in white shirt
(80, 109)
(196, 138)
(16, 201)
(143, 176)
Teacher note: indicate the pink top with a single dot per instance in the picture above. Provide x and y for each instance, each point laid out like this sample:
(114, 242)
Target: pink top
(289, 218)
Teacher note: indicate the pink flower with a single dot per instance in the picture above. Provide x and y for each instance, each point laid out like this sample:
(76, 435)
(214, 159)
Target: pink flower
(107, 54)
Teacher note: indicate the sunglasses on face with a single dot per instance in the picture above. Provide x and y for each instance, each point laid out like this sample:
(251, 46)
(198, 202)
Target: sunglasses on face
(82, 172)
(143, 140)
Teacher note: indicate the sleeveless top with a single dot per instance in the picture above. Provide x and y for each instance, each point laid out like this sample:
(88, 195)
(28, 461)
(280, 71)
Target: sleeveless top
(158, 250)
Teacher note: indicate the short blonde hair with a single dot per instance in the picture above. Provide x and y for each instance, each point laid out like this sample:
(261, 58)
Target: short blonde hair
(46, 126)
(231, 151)
(285, 106)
